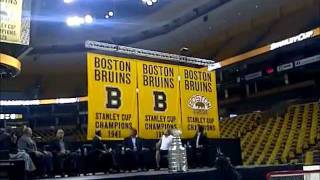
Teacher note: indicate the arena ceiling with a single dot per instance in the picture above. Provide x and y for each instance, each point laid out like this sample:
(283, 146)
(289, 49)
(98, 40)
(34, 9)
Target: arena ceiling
(213, 29)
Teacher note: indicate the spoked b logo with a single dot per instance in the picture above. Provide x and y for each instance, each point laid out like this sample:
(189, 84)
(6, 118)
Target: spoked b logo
(160, 101)
(113, 98)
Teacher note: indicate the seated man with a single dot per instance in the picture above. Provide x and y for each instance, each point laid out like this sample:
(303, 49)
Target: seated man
(133, 150)
(200, 142)
(64, 160)
(101, 155)
(43, 160)
(12, 167)
(5, 142)
(162, 147)
(14, 153)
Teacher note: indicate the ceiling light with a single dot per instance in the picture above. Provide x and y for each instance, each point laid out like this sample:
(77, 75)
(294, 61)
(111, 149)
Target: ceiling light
(75, 21)
(149, 3)
(88, 19)
(110, 13)
(67, 1)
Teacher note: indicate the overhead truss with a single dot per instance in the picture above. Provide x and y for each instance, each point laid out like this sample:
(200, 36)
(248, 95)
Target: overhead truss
(147, 53)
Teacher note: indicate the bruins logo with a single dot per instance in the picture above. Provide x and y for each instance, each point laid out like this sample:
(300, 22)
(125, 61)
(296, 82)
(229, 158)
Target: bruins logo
(199, 103)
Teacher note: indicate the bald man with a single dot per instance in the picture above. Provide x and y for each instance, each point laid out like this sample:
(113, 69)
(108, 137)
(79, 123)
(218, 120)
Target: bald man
(43, 160)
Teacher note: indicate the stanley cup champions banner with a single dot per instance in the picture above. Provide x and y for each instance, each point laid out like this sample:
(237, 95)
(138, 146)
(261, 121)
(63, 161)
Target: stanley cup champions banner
(112, 98)
(158, 99)
(151, 97)
(15, 21)
(198, 102)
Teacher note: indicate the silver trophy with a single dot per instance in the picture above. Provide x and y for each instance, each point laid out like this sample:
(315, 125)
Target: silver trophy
(177, 155)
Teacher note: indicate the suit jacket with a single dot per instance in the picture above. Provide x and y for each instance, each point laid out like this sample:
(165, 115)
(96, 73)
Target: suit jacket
(55, 146)
(5, 141)
(13, 148)
(203, 140)
(127, 143)
(26, 143)
(97, 144)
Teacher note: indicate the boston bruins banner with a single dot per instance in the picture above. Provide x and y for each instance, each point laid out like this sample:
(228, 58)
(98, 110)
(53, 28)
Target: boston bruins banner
(162, 102)
(158, 98)
(15, 21)
(112, 99)
(198, 102)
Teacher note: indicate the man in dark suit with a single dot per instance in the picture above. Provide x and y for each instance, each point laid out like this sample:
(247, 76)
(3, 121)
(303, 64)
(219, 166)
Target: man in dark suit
(133, 150)
(100, 154)
(64, 160)
(5, 140)
(200, 142)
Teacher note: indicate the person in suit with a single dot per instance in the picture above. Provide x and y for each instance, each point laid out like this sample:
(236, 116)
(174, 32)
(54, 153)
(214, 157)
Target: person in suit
(59, 152)
(5, 141)
(225, 170)
(133, 150)
(43, 160)
(100, 154)
(200, 142)
(63, 159)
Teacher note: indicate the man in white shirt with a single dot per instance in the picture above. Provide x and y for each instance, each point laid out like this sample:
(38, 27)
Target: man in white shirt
(162, 147)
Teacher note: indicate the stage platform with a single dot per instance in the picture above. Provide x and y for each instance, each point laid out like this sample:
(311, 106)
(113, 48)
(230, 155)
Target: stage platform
(247, 173)
(151, 174)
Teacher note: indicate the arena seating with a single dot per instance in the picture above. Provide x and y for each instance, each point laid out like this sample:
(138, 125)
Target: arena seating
(293, 138)
(311, 156)
(238, 126)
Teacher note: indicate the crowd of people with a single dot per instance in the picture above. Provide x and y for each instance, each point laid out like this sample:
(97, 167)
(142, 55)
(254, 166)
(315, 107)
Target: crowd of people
(37, 162)
(57, 159)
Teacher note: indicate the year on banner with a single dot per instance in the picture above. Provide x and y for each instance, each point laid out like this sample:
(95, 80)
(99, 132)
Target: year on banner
(159, 100)
(198, 102)
(112, 99)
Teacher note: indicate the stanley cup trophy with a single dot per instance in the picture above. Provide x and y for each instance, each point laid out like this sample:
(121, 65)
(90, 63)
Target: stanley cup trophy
(177, 156)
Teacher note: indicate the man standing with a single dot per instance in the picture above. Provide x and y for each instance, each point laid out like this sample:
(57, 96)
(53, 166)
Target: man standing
(162, 147)
(133, 150)
(200, 142)
(43, 160)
